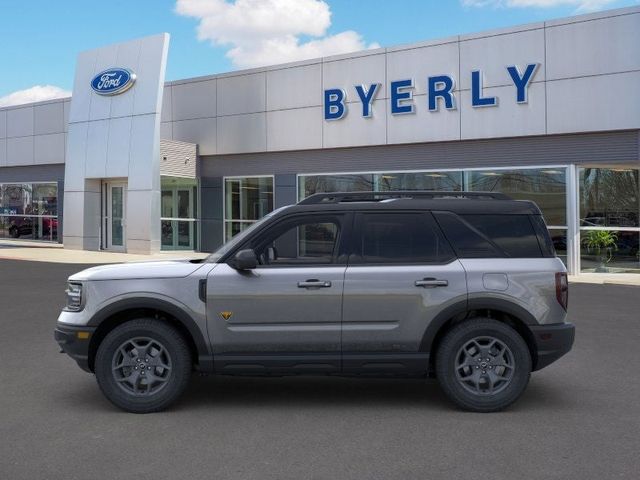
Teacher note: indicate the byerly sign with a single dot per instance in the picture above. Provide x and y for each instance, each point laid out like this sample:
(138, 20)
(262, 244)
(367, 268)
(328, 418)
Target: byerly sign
(113, 81)
(440, 90)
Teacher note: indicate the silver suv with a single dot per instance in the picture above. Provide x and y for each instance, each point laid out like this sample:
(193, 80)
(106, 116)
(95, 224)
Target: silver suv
(462, 286)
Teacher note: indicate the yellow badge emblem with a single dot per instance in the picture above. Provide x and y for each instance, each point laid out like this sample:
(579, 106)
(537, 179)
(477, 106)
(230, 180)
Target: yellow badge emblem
(226, 315)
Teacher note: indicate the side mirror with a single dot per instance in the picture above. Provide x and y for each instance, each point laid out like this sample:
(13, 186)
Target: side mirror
(245, 260)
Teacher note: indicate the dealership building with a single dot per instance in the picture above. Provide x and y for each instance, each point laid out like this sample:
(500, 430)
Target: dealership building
(548, 112)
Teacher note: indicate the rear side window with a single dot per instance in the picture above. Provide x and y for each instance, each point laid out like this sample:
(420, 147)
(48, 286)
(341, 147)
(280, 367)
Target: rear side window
(400, 238)
(544, 239)
(482, 236)
(467, 241)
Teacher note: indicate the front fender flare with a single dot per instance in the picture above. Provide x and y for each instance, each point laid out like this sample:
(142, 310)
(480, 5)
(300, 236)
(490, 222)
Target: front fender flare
(205, 359)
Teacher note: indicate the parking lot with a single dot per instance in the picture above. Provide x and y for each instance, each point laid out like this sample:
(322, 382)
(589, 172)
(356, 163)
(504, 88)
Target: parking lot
(579, 419)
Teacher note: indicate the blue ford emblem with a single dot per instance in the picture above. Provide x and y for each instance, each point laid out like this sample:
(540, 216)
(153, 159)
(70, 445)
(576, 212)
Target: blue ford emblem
(113, 81)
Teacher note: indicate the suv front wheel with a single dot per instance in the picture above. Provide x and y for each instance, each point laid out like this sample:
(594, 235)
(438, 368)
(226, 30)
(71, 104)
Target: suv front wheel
(483, 365)
(143, 365)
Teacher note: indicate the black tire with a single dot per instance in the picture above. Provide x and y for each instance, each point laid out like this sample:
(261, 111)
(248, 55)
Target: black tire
(452, 358)
(174, 353)
(13, 232)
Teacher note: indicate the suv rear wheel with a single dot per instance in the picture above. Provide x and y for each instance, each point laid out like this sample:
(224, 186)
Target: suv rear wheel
(483, 365)
(143, 365)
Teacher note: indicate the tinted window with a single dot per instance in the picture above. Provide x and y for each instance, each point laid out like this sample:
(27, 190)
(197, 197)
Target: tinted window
(514, 234)
(467, 241)
(401, 238)
(546, 240)
(483, 236)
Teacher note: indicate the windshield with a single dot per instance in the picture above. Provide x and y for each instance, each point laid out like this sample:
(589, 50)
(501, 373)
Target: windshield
(240, 237)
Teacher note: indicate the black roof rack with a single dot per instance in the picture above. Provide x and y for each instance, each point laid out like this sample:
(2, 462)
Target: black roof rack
(337, 197)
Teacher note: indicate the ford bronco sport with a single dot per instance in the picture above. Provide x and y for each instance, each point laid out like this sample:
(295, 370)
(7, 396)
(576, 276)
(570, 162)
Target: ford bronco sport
(462, 286)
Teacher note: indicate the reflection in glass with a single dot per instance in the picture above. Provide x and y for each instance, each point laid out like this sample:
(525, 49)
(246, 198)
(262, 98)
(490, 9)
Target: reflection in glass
(45, 199)
(29, 211)
(609, 197)
(167, 203)
(546, 187)
(166, 233)
(383, 182)
(559, 239)
(117, 208)
(179, 201)
(233, 228)
(247, 199)
(609, 251)
(310, 184)
(317, 239)
(447, 181)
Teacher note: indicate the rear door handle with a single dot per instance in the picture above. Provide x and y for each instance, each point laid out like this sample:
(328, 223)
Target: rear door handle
(431, 283)
(313, 283)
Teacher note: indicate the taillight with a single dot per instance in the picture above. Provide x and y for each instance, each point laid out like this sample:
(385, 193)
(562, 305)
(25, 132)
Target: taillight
(562, 289)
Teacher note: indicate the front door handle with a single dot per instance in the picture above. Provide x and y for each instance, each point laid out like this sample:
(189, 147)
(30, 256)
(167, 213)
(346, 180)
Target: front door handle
(314, 283)
(431, 283)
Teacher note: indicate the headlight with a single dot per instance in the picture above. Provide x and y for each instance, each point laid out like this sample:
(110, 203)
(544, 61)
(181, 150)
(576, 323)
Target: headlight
(74, 297)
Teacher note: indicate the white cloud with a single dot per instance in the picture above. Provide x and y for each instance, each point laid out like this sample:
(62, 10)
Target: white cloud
(36, 93)
(580, 5)
(265, 32)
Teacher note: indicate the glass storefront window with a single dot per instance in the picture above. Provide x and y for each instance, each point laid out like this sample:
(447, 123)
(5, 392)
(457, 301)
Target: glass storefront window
(609, 200)
(246, 200)
(545, 186)
(559, 239)
(28, 211)
(609, 251)
(609, 219)
(44, 199)
(382, 182)
(609, 197)
(178, 207)
(310, 184)
(447, 181)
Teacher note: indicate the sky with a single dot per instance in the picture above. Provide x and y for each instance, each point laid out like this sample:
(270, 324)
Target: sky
(40, 39)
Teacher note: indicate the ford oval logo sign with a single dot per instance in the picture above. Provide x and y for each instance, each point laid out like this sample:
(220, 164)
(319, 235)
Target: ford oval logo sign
(113, 81)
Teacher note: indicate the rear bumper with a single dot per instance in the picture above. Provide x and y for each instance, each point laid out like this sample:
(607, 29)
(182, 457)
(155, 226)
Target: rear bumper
(552, 342)
(73, 344)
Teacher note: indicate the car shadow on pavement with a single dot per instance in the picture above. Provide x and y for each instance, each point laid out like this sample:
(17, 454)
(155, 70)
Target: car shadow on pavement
(222, 392)
(312, 392)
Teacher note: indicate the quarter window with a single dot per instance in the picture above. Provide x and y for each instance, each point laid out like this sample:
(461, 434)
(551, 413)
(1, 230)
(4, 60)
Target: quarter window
(487, 236)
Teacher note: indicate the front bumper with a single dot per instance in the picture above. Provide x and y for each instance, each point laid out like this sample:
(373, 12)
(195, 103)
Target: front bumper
(75, 341)
(552, 342)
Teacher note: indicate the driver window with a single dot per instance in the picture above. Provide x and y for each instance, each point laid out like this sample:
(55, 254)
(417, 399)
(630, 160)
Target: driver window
(305, 242)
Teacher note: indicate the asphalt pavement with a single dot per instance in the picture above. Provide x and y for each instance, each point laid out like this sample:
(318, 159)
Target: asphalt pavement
(579, 418)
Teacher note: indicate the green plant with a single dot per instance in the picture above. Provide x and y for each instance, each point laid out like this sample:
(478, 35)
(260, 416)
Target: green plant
(604, 242)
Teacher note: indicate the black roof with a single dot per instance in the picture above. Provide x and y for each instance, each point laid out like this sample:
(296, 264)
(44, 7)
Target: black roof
(456, 202)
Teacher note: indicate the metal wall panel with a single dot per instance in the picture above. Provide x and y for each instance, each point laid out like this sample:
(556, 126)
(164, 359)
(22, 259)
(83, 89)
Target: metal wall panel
(178, 159)
(595, 47)
(609, 147)
(33, 173)
(600, 52)
(294, 87)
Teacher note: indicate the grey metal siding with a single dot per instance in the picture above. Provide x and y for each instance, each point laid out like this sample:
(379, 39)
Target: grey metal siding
(33, 173)
(620, 147)
(178, 159)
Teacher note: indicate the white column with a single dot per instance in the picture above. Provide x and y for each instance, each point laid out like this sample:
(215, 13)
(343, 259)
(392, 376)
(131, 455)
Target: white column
(573, 221)
(116, 137)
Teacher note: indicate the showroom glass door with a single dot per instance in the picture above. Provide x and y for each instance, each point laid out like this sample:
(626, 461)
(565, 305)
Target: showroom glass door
(115, 221)
(178, 222)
